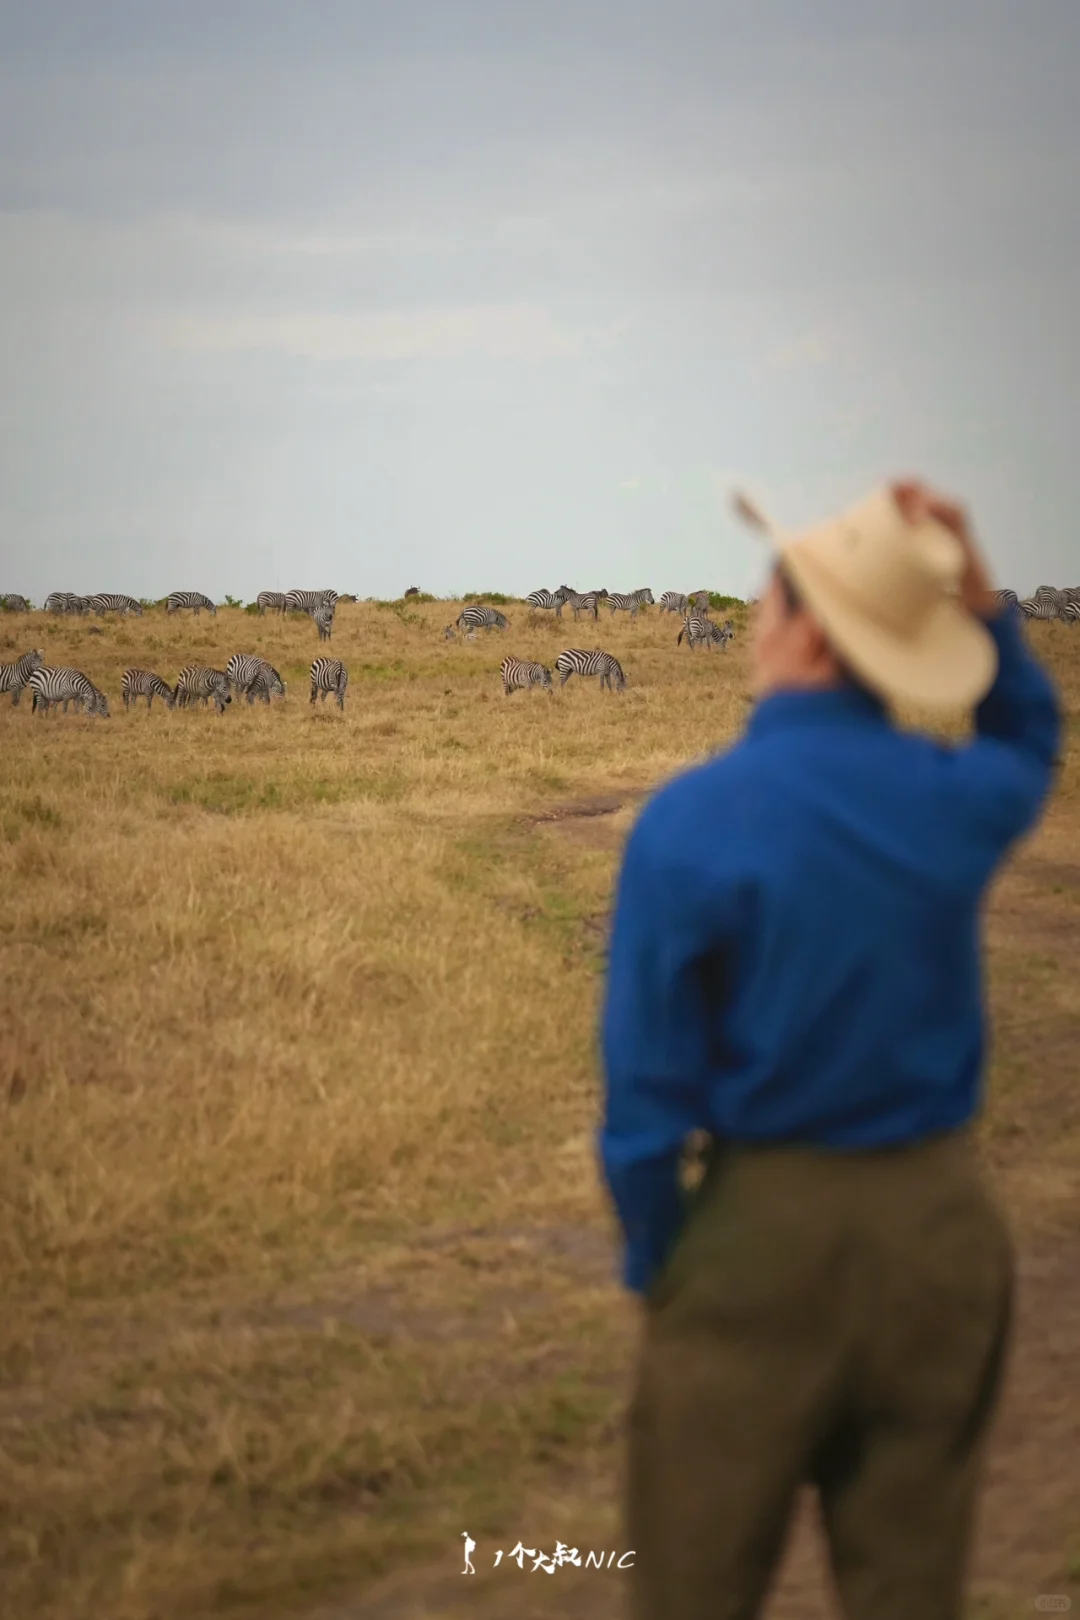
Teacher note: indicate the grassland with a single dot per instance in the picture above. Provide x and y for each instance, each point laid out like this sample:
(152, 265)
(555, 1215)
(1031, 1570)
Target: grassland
(304, 1260)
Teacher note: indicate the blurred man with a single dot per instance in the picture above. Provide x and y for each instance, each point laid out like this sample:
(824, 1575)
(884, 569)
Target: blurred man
(795, 970)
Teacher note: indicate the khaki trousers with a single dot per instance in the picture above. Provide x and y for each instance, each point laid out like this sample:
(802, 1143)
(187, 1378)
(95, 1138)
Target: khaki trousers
(825, 1318)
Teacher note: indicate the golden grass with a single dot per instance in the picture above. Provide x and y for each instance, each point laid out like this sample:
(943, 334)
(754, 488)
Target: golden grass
(302, 1248)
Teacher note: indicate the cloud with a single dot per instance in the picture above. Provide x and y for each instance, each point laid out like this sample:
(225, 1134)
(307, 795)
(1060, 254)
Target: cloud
(502, 332)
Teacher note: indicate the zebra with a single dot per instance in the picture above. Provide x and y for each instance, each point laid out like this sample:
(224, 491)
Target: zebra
(449, 633)
(14, 603)
(189, 599)
(589, 601)
(324, 620)
(630, 604)
(196, 681)
(672, 602)
(308, 601)
(1070, 613)
(66, 602)
(518, 675)
(698, 629)
(139, 683)
(329, 675)
(112, 602)
(271, 599)
(549, 599)
(1005, 599)
(51, 686)
(249, 674)
(578, 661)
(1042, 607)
(475, 617)
(13, 677)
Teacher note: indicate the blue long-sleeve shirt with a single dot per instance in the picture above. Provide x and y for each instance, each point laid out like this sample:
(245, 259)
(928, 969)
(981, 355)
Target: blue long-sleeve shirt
(795, 948)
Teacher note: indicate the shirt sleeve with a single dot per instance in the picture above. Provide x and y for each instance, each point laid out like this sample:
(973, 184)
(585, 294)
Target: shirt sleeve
(1004, 774)
(655, 1043)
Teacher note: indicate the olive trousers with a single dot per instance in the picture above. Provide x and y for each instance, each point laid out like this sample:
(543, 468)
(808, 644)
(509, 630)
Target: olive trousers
(833, 1319)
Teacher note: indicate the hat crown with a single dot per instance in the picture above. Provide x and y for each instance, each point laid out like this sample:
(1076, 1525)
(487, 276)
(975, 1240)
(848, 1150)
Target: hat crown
(895, 571)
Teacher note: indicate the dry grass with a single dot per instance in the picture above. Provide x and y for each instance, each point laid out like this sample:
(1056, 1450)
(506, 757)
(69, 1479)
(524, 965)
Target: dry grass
(302, 1248)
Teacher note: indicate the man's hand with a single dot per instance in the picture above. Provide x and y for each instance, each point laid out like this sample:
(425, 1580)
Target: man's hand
(918, 502)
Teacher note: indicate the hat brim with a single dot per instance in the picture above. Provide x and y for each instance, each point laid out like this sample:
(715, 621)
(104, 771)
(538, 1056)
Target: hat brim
(950, 662)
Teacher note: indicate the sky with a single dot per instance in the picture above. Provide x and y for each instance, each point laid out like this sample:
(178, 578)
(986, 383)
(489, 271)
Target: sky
(494, 295)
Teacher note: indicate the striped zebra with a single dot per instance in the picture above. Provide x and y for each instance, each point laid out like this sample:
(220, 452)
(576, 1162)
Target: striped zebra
(13, 677)
(587, 601)
(700, 631)
(196, 681)
(14, 603)
(1041, 607)
(113, 602)
(579, 661)
(519, 676)
(672, 602)
(51, 686)
(1005, 599)
(66, 602)
(195, 600)
(449, 633)
(475, 617)
(308, 601)
(1071, 593)
(271, 599)
(1071, 612)
(329, 675)
(139, 683)
(251, 676)
(700, 602)
(630, 604)
(324, 621)
(549, 599)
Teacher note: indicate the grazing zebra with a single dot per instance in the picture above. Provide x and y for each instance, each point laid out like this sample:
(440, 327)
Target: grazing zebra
(630, 604)
(66, 602)
(589, 601)
(700, 631)
(329, 675)
(52, 686)
(196, 681)
(1071, 612)
(517, 675)
(324, 620)
(139, 683)
(1042, 607)
(578, 661)
(672, 602)
(308, 601)
(1005, 599)
(549, 599)
(14, 603)
(189, 599)
(271, 599)
(475, 617)
(13, 677)
(251, 675)
(113, 602)
(1071, 593)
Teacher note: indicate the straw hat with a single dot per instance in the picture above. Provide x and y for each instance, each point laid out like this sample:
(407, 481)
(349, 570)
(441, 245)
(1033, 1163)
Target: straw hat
(885, 592)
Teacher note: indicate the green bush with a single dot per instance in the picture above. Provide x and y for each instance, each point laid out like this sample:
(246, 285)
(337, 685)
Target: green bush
(234, 601)
(717, 601)
(491, 598)
(252, 607)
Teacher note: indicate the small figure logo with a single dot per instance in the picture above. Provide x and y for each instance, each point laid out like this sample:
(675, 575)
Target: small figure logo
(470, 1547)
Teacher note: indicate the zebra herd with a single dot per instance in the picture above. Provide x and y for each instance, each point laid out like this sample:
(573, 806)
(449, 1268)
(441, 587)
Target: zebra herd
(246, 674)
(319, 604)
(1047, 603)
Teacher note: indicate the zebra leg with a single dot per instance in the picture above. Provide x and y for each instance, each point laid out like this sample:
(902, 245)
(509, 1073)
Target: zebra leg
(340, 695)
(566, 674)
(125, 700)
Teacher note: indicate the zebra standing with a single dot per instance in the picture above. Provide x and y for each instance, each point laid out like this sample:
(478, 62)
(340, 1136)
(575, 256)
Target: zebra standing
(196, 681)
(700, 631)
(672, 602)
(549, 599)
(66, 602)
(139, 683)
(1005, 599)
(587, 601)
(51, 686)
(324, 621)
(1042, 607)
(271, 599)
(250, 675)
(519, 676)
(1070, 613)
(14, 603)
(475, 617)
(189, 599)
(13, 677)
(114, 602)
(630, 604)
(701, 602)
(578, 661)
(329, 675)
(308, 601)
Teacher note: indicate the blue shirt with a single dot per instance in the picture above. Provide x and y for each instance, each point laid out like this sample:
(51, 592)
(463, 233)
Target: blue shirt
(795, 948)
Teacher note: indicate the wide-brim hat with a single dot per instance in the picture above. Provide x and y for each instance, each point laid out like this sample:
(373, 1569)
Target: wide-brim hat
(886, 594)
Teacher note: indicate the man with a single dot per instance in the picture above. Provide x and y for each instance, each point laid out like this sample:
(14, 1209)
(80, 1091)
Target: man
(795, 971)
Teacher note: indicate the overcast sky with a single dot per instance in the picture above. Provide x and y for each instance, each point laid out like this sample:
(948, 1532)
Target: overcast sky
(489, 294)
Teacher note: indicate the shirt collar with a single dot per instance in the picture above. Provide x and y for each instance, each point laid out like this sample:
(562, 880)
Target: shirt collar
(838, 705)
